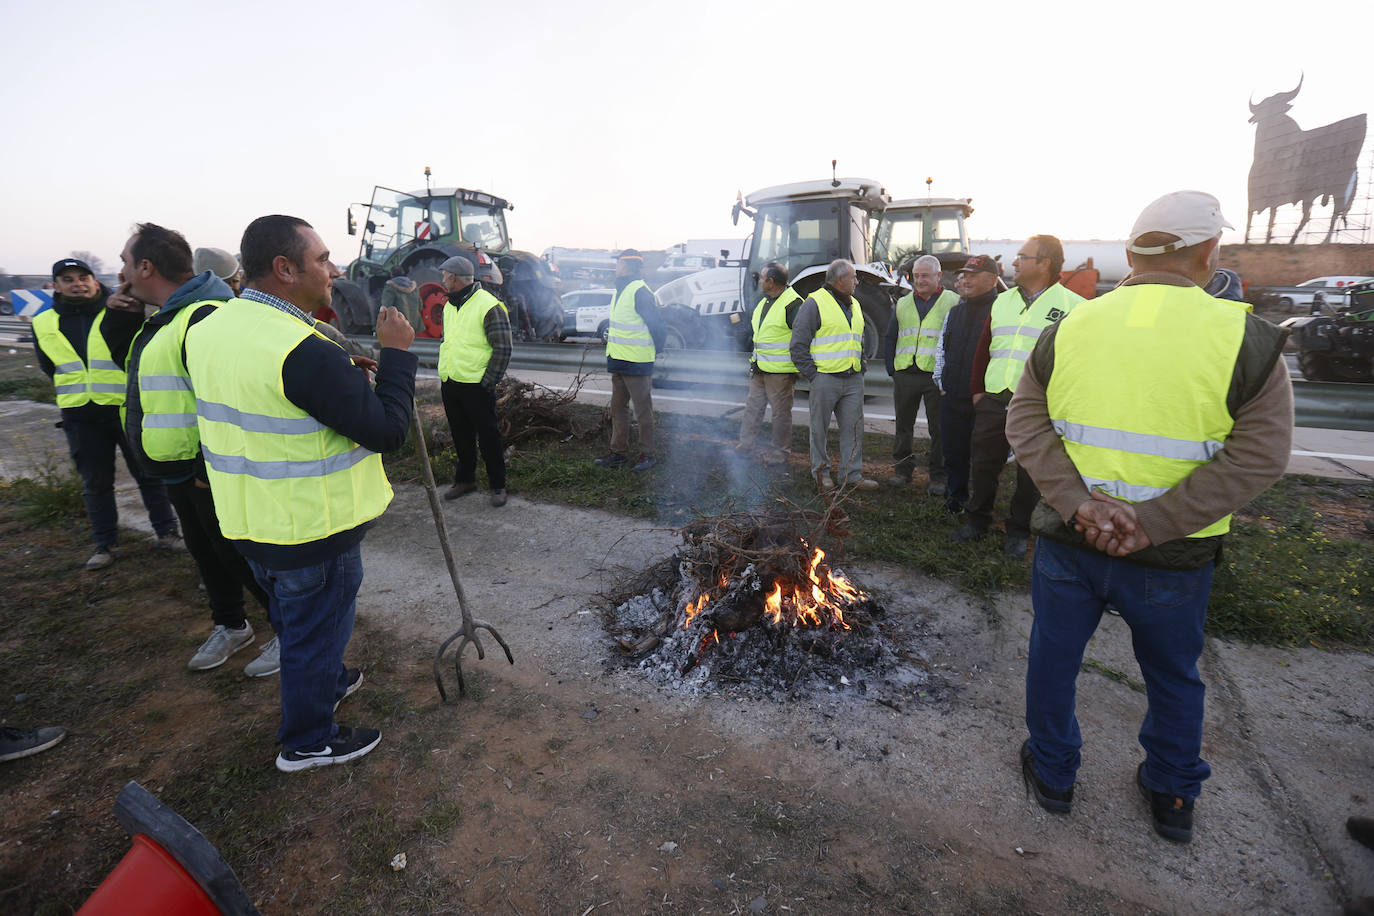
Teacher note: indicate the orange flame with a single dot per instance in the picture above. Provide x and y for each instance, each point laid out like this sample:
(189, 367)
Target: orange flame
(819, 602)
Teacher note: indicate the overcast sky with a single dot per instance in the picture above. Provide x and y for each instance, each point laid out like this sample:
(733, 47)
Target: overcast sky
(635, 123)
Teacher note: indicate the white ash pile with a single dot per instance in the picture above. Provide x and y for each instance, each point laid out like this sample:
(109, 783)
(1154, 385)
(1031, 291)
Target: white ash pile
(749, 604)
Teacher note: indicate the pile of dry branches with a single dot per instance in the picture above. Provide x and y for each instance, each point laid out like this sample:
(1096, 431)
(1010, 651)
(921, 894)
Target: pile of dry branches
(526, 410)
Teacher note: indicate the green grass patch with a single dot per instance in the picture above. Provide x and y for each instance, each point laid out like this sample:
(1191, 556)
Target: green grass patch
(51, 496)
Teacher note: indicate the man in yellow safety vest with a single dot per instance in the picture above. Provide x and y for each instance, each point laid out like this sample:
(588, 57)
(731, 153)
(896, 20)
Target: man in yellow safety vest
(472, 359)
(635, 336)
(81, 344)
(291, 430)
(827, 349)
(1018, 317)
(909, 346)
(1146, 417)
(772, 376)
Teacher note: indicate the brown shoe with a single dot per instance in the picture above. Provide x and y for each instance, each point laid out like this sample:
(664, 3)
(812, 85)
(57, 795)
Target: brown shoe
(460, 489)
(498, 498)
(864, 483)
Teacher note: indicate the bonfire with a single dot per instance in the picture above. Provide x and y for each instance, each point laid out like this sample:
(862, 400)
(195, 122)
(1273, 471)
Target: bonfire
(749, 599)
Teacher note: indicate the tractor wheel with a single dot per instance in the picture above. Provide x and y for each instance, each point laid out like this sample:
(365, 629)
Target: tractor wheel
(1315, 366)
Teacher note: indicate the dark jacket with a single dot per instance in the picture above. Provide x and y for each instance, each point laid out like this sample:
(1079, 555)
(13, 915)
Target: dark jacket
(963, 328)
(205, 287)
(74, 320)
(646, 304)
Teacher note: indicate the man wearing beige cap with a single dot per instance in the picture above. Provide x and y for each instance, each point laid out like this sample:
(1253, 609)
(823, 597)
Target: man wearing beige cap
(1146, 417)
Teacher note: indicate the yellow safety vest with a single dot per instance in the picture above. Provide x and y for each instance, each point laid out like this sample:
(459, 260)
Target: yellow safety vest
(278, 475)
(1138, 391)
(838, 344)
(465, 351)
(99, 380)
(772, 336)
(917, 337)
(629, 338)
(168, 431)
(1015, 328)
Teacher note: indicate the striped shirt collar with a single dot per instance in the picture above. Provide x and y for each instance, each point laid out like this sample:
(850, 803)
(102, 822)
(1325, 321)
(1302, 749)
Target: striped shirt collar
(257, 295)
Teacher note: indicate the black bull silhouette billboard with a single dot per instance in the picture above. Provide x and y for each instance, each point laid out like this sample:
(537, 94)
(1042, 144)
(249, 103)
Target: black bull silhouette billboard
(1296, 166)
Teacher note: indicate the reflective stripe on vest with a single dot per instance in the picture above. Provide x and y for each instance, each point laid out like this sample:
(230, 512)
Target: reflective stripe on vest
(465, 351)
(773, 340)
(917, 337)
(168, 430)
(99, 380)
(628, 337)
(1138, 391)
(1015, 328)
(838, 344)
(278, 475)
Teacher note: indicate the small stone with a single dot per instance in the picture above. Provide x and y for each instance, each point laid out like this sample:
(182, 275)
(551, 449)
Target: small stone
(757, 905)
(718, 884)
(669, 847)
(589, 714)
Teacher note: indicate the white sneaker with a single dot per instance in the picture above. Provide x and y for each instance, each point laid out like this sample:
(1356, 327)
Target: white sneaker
(223, 642)
(269, 662)
(102, 558)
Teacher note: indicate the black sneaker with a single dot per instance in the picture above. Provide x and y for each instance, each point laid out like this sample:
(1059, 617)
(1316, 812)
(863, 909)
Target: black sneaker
(1052, 800)
(348, 744)
(18, 742)
(613, 460)
(355, 680)
(1172, 815)
(969, 532)
(1014, 548)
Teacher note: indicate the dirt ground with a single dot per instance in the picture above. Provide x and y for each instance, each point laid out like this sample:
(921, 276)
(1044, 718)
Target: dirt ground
(573, 786)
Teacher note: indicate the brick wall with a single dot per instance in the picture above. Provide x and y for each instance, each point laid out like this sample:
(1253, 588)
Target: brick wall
(1289, 265)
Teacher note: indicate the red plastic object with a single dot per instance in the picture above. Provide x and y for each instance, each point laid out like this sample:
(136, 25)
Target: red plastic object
(433, 297)
(148, 881)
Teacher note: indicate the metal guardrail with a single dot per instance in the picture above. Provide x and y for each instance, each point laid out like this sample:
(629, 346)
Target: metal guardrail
(1317, 405)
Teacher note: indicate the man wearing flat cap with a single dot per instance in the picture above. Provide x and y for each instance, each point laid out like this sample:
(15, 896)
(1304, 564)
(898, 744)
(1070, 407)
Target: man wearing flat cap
(82, 343)
(1146, 417)
(472, 359)
(636, 334)
(977, 285)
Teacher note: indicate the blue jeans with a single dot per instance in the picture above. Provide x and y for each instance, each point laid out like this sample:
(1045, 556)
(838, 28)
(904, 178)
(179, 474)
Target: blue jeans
(91, 441)
(1165, 609)
(314, 606)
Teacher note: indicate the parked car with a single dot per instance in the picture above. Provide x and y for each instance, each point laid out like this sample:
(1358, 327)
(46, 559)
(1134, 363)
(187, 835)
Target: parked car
(1331, 288)
(587, 312)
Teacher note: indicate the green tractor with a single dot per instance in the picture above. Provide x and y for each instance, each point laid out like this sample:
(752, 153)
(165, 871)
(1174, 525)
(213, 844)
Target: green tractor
(1337, 346)
(416, 231)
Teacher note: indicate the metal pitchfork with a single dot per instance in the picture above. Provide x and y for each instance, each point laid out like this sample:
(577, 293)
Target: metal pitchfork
(468, 631)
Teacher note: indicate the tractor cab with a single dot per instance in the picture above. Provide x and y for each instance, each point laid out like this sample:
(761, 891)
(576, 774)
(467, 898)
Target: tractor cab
(405, 227)
(927, 225)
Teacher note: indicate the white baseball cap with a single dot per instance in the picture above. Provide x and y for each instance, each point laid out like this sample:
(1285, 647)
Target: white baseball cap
(1192, 216)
